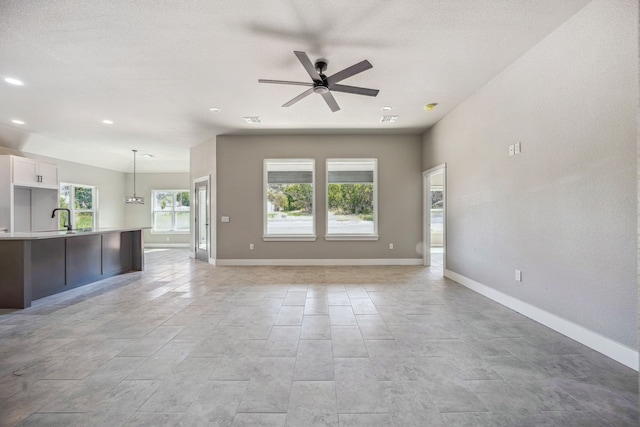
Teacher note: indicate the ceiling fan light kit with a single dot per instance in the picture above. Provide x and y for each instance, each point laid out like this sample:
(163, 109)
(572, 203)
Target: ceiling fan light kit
(324, 85)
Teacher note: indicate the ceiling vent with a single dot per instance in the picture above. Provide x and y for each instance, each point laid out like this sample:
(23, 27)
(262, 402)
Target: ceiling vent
(252, 119)
(389, 119)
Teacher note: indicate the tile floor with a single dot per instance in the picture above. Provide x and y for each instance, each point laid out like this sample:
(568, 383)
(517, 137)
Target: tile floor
(188, 344)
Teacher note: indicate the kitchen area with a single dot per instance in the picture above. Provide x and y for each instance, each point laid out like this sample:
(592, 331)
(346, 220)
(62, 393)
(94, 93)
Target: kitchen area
(40, 253)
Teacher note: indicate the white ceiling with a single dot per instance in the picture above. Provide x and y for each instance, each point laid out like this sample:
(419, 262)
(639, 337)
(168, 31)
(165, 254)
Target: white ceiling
(155, 68)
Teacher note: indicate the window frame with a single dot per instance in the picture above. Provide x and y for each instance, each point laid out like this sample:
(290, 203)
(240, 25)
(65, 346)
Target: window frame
(265, 183)
(173, 210)
(353, 236)
(72, 197)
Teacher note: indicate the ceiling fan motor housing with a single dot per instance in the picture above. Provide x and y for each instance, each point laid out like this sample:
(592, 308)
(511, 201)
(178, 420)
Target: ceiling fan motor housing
(321, 65)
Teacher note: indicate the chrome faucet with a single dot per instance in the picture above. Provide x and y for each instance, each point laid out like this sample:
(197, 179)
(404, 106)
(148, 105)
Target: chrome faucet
(68, 225)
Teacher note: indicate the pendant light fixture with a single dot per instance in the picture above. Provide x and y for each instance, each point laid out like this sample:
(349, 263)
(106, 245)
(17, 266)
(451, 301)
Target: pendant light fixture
(134, 199)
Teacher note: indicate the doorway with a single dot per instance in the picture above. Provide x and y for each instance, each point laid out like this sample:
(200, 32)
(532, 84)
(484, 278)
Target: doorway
(201, 219)
(434, 217)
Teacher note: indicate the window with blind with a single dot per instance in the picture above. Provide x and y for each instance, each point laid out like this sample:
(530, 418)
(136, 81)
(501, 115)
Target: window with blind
(289, 199)
(351, 199)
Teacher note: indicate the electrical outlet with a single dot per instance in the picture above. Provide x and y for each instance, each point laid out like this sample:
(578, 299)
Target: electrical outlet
(517, 148)
(390, 245)
(250, 246)
(518, 275)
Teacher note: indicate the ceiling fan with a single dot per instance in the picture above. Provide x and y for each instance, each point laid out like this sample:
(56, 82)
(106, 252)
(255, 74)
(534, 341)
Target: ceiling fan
(324, 85)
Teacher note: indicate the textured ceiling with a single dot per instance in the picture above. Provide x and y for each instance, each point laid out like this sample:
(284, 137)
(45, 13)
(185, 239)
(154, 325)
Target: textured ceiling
(155, 68)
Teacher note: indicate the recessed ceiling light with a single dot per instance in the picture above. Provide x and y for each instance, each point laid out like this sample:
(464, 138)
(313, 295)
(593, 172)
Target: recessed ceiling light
(18, 122)
(107, 122)
(252, 119)
(430, 107)
(214, 110)
(386, 108)
(147, 155)
(13, 81)
(389, 119)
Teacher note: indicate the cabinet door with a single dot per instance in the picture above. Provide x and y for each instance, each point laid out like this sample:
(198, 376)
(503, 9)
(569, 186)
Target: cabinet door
(48, 175)
(25, 172)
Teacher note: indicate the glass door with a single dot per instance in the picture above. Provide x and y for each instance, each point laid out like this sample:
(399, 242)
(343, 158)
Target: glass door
(434, 221)
(202, 220)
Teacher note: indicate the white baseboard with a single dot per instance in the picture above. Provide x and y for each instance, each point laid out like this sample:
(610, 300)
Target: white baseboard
(166, 245)
(211, 261)
(616, 351)
(312, 262)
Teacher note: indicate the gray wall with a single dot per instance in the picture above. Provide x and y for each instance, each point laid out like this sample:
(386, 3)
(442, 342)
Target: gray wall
(140, 215)
(564, 210)
(202, 164)
(240, 195)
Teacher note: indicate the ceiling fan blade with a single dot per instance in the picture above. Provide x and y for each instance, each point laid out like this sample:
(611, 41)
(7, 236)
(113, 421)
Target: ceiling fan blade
(299, 97)
(354, 89)
(348, 72)
(331, 101)
(306, 63)
(285, 82)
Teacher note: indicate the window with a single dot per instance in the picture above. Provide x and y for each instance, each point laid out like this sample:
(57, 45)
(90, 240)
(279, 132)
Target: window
(170, 211)
(289, 199)
(351, 199)
(82, 200)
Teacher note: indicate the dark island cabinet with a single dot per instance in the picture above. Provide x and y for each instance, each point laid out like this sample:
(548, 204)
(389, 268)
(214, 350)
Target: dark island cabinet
(39, 265)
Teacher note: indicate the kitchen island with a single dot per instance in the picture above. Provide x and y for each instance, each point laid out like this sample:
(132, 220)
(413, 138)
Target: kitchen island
(38, 264)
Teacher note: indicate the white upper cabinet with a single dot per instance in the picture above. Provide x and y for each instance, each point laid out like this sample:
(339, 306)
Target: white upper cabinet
(25, 171)
(34, 173)
(29, 192)
(49, 177)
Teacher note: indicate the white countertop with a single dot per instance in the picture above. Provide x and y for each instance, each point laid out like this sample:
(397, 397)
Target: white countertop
(53, 234)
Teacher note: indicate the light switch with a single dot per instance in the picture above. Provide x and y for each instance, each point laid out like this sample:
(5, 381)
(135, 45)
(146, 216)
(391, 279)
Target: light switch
(224, 219)
(511, 150)
(517, 148)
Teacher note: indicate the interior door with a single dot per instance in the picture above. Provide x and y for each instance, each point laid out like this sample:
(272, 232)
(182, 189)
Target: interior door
(202, 220)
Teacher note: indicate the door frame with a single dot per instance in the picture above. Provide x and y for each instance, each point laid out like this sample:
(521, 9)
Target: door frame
(426, 214)
(197, 181)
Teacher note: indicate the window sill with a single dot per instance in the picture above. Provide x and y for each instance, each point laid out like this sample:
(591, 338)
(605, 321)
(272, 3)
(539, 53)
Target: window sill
(350, 237)
(285, 238)
(168, 232)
